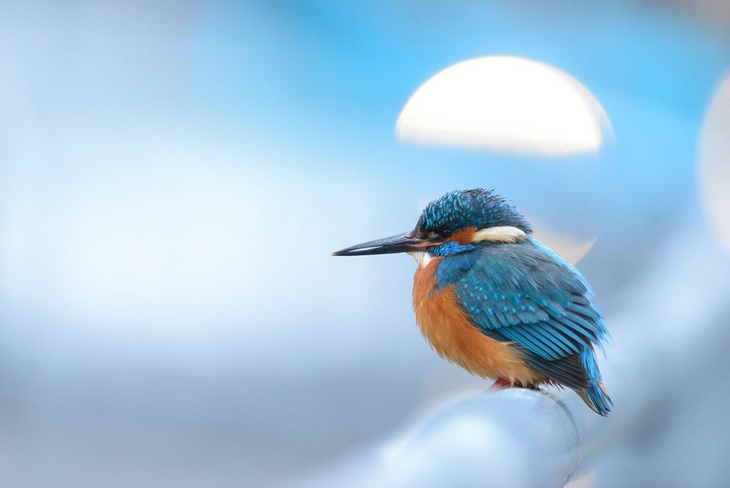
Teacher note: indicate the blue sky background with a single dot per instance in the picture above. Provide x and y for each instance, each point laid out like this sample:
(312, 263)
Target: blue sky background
(174, 176)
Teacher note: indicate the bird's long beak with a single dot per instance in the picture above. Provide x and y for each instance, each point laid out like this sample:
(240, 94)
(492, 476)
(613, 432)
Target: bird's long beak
(400, 243)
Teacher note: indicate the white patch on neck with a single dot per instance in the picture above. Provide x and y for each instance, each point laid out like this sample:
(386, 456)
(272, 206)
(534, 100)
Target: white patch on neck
(506, 234)
(421, 257)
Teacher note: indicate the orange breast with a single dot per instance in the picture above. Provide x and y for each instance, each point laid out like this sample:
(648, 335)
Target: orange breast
(446, 327)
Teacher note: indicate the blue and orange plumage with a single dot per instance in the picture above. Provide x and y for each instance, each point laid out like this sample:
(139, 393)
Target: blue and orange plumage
(492, 299)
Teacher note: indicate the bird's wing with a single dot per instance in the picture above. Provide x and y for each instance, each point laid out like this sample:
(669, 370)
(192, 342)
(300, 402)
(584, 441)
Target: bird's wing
(527, 294)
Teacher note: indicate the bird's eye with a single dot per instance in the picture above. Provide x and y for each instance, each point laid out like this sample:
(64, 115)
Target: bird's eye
(445, 234)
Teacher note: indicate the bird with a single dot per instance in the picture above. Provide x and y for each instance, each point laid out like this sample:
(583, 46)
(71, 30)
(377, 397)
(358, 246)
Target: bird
(492, 299)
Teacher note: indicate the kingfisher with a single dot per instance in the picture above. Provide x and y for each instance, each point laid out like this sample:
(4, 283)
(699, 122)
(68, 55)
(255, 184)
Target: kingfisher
(492, 299)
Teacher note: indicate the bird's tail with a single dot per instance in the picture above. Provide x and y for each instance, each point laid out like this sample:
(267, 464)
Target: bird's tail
(595, 395)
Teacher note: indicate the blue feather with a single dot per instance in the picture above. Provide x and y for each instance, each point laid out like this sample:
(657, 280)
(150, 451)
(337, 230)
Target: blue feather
(526, 294)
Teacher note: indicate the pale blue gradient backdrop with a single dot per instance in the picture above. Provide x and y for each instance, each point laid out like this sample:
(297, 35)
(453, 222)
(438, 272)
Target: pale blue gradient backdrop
(174, 176)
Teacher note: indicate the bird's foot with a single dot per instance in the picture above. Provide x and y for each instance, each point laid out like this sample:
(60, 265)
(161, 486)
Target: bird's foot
(500, 384)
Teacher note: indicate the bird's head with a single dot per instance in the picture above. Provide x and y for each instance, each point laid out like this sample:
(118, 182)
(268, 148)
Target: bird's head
(454, 223)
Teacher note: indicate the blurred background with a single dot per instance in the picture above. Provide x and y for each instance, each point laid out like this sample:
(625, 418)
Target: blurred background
(175, 175)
